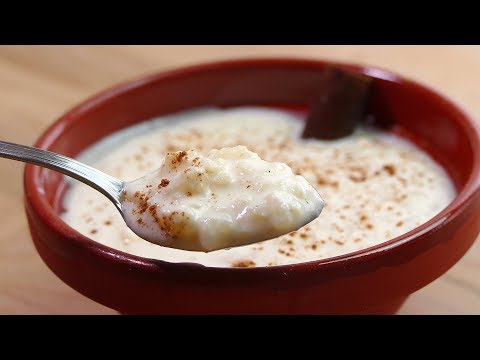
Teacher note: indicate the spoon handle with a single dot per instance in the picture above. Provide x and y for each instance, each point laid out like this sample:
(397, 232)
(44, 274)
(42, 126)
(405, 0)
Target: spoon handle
(106, 184)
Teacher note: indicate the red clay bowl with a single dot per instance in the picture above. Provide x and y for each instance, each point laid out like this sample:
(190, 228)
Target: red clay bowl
(374, 280)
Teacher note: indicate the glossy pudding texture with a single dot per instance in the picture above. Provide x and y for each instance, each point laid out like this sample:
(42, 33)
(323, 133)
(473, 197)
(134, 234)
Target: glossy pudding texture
(375, 185)
(231, 197)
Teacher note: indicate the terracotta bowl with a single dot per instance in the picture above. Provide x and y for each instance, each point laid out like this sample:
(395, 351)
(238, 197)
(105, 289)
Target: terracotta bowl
(374, 280)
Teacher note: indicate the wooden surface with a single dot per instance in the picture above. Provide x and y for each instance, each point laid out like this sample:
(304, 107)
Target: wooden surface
(38, 83)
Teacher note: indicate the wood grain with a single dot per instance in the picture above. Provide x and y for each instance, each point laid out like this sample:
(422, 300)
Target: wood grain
(38, 83)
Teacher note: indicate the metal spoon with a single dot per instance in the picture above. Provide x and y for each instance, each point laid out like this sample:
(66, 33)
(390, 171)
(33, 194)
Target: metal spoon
(113, 189)
(108, 185)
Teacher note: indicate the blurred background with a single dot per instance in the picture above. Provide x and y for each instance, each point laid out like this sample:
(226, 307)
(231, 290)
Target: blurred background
(39, 83)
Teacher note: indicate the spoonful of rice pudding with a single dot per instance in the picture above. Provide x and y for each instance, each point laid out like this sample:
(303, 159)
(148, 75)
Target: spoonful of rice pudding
(230, 197)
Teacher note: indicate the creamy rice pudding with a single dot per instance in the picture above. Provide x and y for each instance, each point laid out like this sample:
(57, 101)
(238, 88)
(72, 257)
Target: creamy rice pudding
(375, 184)
(231, 197)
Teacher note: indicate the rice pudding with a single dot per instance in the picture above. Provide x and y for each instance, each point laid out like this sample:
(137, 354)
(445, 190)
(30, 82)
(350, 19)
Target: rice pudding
(231, 197)
(375, 184)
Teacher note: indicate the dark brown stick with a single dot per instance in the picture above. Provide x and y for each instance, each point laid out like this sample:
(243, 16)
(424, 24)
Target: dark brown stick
(339, 105)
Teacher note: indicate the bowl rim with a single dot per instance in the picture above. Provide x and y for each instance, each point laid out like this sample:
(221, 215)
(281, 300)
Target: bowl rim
(47, 214)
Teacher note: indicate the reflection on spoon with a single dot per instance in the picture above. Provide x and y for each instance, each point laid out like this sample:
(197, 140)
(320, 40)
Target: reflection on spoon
(201, 203)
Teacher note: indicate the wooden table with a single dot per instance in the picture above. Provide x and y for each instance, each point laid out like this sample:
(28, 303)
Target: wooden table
(38, 83)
